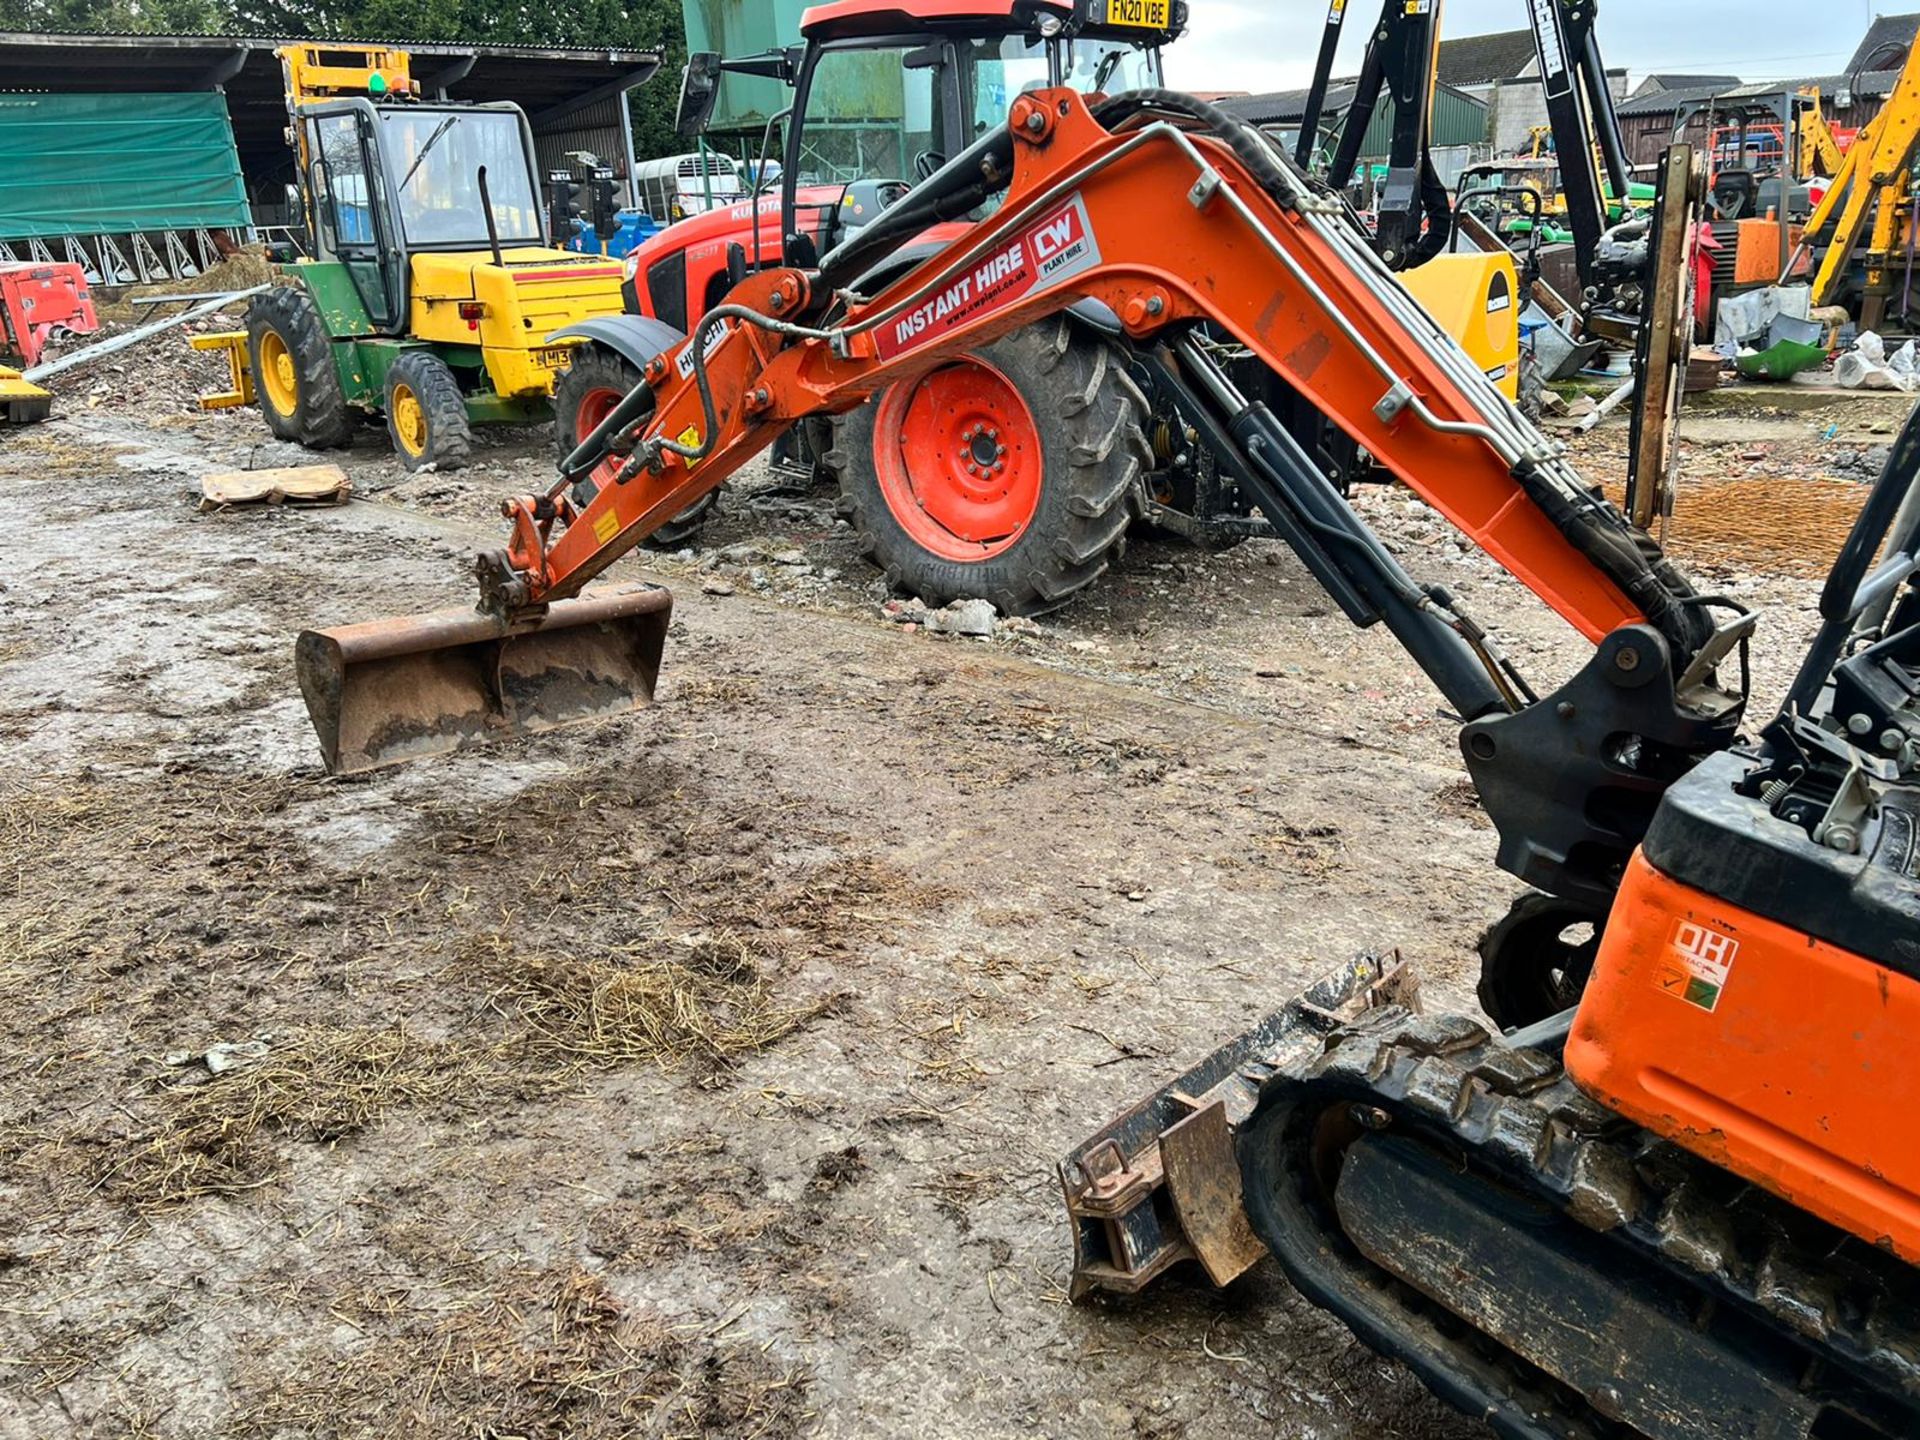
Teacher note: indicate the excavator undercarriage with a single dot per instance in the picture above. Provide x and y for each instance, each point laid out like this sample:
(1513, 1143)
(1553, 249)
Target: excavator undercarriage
(1686, 1205)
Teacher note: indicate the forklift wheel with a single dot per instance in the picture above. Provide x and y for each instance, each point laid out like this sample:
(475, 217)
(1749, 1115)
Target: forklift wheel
(293, 374)
(426, 415)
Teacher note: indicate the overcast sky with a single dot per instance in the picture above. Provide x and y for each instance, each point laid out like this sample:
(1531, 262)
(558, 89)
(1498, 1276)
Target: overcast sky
(1264, 45)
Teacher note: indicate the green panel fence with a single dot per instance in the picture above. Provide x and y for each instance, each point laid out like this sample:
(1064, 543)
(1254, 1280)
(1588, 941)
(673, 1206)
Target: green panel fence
(114, 164)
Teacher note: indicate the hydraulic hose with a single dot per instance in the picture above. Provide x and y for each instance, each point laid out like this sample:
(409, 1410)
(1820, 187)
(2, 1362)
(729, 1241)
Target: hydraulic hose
(1273, 171)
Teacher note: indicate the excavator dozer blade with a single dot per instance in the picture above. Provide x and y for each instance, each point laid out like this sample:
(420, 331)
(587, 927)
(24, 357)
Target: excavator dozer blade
(1161, 1183)
(394, 690)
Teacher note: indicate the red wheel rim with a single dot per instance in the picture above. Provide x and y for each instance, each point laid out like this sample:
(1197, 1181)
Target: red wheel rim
(959, 461)
(595, 406)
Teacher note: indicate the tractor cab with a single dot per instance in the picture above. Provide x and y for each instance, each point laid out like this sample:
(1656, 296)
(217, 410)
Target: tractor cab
(387, 179)
(883, 93)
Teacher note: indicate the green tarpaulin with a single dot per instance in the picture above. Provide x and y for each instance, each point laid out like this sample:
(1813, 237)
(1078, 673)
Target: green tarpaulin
(113, 164)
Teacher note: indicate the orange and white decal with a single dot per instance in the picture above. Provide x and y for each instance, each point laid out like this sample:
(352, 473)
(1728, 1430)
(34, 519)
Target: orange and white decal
(1696, 964)
(1046, 253)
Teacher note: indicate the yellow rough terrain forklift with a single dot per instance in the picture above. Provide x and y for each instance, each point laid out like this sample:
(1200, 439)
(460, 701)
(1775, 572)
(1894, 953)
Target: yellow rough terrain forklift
(430, 292)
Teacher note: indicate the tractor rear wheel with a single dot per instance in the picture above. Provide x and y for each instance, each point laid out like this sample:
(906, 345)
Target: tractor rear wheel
(1536, 960)
(293, 375)
(1010, 474)
(426, 413)
(583, 396)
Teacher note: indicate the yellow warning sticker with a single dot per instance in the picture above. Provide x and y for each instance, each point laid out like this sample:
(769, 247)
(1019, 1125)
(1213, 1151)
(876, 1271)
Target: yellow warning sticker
(1696, 965)
(606, 526)
(690, 437)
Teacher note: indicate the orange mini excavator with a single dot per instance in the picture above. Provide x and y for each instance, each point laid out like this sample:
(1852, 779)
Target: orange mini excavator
(1681, 1196)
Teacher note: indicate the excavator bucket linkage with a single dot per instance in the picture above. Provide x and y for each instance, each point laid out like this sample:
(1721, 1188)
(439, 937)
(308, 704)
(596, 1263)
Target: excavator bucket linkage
(1161, 1183)
(393, 690)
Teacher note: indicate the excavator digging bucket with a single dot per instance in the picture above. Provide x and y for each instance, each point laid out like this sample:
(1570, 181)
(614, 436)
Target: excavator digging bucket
(394, 690)
(1161, 1183)
(21, 401)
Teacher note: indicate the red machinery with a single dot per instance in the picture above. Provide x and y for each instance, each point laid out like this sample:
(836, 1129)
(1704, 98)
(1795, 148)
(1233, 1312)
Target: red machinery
(36, 301)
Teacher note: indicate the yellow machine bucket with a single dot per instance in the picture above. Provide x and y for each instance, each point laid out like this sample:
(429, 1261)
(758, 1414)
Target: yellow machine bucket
(394, 690)
(21, 401)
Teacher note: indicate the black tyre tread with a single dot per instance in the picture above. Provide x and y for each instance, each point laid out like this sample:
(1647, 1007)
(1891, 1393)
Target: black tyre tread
(320, 420)
(593, 367)
(1513, 992)
(1082, 400)
(1091, 414)
(449, 433)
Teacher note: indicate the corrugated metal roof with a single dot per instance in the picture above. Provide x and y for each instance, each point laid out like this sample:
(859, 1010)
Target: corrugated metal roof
(1458, 118)
(549, 82)
(121, 39)
(1284, 107)
(1281, 107)
(1667, 102)
(1483, 59)
(1662, 81)
(1888, 32)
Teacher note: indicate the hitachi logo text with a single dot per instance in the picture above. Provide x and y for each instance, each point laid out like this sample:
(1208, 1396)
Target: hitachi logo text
(1546, 25)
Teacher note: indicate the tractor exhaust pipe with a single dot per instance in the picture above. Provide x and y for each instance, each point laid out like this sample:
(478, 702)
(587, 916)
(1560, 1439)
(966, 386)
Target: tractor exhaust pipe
(388, 691)
(493, 229)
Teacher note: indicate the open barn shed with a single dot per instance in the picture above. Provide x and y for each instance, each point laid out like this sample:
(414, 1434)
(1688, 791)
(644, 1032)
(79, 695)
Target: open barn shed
(81, 178)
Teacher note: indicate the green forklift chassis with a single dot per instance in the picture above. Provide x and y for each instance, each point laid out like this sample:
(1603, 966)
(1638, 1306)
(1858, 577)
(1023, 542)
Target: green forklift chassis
(363, 357)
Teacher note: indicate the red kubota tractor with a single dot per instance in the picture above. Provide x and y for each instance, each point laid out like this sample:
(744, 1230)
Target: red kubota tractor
(1013, 472)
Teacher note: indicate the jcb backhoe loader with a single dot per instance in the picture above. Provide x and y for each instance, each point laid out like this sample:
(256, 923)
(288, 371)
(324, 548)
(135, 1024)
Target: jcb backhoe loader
(1683, 1198)
(1863, 230)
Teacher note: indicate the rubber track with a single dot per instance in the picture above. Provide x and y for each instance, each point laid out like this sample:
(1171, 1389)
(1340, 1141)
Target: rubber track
(1517, 1115)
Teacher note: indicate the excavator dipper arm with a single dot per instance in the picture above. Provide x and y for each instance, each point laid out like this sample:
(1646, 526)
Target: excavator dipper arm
(1285, 274)
(1175, 217)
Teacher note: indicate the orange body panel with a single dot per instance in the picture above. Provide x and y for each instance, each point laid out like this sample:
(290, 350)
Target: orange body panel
(1784, 1059)
(1757, 261)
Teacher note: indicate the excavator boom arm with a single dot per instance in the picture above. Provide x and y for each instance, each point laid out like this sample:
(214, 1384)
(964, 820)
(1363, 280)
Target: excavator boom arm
(1239, 245)
(1288, 277)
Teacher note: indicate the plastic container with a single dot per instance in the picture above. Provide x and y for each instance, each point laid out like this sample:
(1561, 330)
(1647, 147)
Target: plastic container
(1786, 330)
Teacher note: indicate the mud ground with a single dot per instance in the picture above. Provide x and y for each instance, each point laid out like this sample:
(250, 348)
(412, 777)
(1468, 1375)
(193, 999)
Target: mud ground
(701, 1072)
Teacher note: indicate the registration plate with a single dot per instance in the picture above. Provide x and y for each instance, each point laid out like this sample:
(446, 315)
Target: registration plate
(1139, 14)
(553, 357)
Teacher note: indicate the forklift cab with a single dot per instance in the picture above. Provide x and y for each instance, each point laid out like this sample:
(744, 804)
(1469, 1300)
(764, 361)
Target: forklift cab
(386, 182)
(882, 97)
